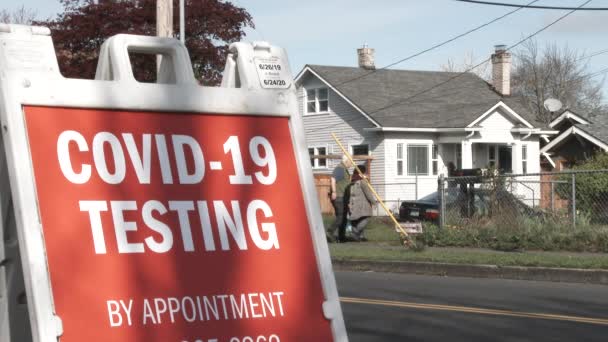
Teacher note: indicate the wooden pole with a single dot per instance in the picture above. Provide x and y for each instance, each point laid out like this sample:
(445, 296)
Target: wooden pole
(397, 225)
(164, 22)
(164, 18)
(182, 21)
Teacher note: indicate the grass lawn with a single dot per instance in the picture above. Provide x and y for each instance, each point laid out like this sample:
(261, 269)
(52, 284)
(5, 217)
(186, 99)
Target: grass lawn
(384, 245)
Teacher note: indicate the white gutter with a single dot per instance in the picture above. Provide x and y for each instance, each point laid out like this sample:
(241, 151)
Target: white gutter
(531, 131)
(549, 132)
(452, 130)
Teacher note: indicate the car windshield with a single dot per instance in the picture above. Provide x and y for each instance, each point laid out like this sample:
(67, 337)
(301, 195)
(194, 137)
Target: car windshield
(450, 196)
(433, 197)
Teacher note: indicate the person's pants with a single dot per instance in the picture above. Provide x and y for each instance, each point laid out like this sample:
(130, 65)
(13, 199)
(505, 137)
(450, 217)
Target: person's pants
(339, 226)
(358, 226)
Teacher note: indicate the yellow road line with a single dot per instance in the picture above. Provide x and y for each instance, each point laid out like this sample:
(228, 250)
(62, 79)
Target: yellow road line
(474, 310)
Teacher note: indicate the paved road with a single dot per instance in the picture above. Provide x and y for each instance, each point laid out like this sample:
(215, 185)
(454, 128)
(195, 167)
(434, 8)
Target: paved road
(397, 307)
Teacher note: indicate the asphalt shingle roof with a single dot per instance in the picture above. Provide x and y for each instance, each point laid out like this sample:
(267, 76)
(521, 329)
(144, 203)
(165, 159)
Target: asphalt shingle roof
(420, 99)
(596, 129)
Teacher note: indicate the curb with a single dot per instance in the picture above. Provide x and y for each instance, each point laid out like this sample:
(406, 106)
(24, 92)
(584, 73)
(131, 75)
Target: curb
(569, 275)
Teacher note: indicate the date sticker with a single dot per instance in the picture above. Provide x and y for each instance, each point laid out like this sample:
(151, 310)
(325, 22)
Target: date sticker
(272, 73)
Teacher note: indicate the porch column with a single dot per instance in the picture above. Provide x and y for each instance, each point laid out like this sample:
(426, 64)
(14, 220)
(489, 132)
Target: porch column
(467, 155)
(516, 158)
(441, 169)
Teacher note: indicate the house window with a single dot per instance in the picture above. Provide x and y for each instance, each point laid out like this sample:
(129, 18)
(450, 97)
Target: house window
(317, 163)
(492, 156)
(524, 159)
(359, 150)
(435, 159)
(399, 159)
(418, 160)
(317, 100)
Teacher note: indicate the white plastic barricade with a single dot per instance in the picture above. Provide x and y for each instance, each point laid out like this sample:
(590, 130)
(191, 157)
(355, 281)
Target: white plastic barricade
(158, 212)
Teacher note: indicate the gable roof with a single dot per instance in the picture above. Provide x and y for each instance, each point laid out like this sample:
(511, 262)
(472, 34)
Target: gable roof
(568, 114)
(421, 99)
(597, 134)
(597, 130)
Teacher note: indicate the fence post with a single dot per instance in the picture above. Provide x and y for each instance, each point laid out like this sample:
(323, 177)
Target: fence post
(441, 190)
(573, 200)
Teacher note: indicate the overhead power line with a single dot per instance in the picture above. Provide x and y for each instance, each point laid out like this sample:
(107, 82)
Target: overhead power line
(436, 46)
(591, 55)
(588, 76)
(504, 4)
(403, 101)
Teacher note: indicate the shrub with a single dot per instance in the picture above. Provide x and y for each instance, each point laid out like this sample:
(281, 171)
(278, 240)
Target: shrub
(591, 188)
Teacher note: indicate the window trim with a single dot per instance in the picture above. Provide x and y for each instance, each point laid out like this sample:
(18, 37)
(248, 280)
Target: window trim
(316, 101)
(350, 148)
(434, 170)
(428, 147)
(417, 142)
(315, 165)
(402, 159)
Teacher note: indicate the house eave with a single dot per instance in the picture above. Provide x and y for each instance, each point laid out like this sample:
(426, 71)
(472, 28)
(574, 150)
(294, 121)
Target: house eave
(574, 131)
(568, 115)
(421, 129)
(330, 86)
(456, 129)
(507, 108)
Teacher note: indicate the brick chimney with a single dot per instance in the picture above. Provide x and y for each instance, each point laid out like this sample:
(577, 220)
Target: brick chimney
(366, 58)
(501, 70)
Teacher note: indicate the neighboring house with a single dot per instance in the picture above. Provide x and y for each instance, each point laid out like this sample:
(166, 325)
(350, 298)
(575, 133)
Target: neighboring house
(413, 123)
(578, 140)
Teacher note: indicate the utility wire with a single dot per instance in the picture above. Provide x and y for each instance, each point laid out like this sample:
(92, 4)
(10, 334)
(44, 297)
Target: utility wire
(597, 53)
(588, 76)
(403, 101)
(435, 46)
(503, 4)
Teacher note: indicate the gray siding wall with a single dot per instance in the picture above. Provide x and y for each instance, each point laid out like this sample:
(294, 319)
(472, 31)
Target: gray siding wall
(348, 124)
(406, 187)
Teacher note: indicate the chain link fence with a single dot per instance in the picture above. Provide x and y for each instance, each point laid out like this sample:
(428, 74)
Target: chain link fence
(561, 199)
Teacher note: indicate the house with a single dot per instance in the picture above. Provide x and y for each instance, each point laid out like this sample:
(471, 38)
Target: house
(579, 138)
(413, 123)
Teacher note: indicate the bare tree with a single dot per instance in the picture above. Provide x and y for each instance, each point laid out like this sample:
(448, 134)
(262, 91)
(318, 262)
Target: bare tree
(468, 64)
(22, 16)
(556, 72)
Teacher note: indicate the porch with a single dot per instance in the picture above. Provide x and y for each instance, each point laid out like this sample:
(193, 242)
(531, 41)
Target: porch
(505, 157)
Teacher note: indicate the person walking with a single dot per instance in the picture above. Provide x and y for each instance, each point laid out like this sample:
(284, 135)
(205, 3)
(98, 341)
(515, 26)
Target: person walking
(360, 202)
(340, 179)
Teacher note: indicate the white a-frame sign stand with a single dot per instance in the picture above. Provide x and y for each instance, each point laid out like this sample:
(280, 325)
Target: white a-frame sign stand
(159, 211)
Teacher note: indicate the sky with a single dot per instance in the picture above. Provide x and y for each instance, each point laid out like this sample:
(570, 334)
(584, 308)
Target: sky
(329, 32)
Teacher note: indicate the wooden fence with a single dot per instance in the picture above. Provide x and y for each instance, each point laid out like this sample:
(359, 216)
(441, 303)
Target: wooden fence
(323, 185)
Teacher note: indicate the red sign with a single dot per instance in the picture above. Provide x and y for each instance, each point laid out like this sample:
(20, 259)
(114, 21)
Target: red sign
(175, 227)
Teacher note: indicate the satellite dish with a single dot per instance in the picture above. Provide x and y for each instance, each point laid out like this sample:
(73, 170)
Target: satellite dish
(552, 105)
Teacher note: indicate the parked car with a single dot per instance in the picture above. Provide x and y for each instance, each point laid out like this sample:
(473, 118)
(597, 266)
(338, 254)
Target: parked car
(477, 202)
